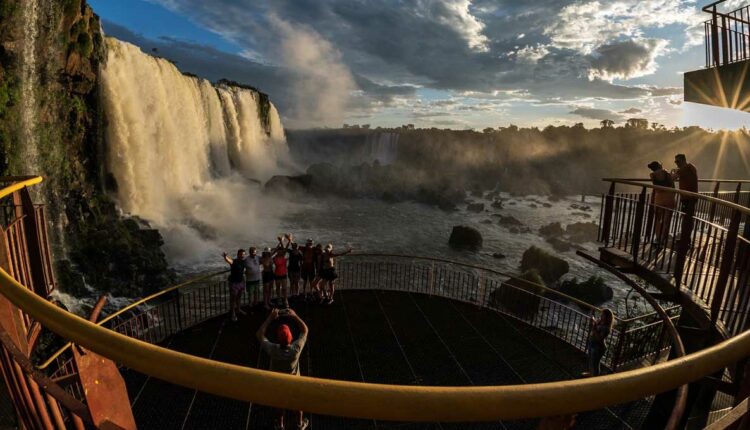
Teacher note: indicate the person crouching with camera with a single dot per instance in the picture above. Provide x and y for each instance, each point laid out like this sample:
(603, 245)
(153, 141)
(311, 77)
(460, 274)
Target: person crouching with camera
(285, 353)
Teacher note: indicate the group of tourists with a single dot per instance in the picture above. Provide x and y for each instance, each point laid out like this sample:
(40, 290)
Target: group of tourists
(664, 201)
(305, 273)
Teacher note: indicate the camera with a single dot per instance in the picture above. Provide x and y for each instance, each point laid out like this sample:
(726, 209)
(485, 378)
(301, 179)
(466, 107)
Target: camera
(283, 312)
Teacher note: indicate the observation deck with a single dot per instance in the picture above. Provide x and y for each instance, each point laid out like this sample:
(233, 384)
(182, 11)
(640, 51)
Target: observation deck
(724, 80)
(411, 342)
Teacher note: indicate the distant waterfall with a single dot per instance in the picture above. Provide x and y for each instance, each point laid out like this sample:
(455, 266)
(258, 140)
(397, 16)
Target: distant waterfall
(29, 86)
(383, 148)
(187, 155)
(169, 135)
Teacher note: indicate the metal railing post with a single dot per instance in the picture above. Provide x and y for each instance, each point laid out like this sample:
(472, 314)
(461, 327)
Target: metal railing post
(617, 355)
(178, 307)
(683, 245)
(607, 219)
(715, 38)
(725, 41)
(712, 208)
(727, 260)
(638, 224)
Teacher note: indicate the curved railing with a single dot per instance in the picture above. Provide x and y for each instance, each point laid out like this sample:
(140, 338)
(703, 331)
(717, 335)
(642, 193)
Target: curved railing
(705, 251)
(375, 401)
(633, 342)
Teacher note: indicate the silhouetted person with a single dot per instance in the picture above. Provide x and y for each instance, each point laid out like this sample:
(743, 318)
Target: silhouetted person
(252, 275)
(285, 352)
(328, 272)
(308, 266)
(600, 329)
(663, 203)
(687, 175)
(237, 269)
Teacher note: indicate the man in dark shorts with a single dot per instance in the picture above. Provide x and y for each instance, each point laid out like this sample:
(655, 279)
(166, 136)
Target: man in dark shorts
(236, 279)
(285, 353)
(252, 275)
(308, 266)
(328, 273)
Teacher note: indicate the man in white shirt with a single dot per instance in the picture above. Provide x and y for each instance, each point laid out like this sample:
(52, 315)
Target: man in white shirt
(285, 353)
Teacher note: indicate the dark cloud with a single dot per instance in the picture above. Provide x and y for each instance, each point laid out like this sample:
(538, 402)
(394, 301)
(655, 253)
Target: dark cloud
(632, 111)
(441, 44)
(593, 113)
(626, 59)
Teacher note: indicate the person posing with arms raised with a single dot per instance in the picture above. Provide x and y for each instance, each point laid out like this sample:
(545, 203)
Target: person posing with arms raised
(285, 352)
(295, 269)
(308, 267)
(280, 270)
(266, 260)
(252, 275)
(328, 273)
(237, 269)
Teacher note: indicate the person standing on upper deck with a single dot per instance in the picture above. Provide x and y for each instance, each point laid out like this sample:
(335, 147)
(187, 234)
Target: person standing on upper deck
(663, 203)
(687, 175)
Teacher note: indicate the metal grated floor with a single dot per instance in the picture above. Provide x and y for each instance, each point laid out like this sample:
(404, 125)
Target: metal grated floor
(375, 336)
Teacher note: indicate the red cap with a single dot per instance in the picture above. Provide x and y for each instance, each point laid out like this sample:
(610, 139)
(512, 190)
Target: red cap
(283, 335)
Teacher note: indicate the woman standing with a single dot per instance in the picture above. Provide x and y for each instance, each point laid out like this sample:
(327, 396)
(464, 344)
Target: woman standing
(663, 203)
(600, 329)
(280, 270)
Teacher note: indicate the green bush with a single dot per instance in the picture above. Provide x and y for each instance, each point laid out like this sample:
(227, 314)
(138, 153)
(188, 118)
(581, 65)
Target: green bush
(84, 45)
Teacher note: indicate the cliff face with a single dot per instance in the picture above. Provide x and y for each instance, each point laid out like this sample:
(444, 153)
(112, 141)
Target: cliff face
(55, 128)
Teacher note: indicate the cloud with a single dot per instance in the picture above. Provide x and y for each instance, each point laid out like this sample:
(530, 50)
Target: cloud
(631, 111)
(585, 26)
(321, 82)
(626, 59)
(548, 52)
(593, 113)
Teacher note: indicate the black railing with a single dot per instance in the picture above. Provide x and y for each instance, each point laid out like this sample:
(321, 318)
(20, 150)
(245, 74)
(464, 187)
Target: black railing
(727, 36)
(703, 247)
(634, 342)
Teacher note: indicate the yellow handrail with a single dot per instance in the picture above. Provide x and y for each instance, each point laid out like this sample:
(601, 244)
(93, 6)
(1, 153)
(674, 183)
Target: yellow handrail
(374, 401)
(119, 312)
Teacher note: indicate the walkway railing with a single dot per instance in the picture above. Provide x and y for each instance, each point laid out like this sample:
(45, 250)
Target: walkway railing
(702, 245)
(726, 35)
(633, 342)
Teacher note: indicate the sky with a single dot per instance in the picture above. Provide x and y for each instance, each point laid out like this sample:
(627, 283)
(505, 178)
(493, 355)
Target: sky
(438, 63)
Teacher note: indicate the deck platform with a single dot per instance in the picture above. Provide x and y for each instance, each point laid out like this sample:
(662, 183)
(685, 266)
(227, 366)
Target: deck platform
(375, 336)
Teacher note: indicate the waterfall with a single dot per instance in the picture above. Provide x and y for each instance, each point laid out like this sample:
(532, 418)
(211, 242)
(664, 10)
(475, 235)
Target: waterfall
(28, 87)
(382, 147)
(185, 153)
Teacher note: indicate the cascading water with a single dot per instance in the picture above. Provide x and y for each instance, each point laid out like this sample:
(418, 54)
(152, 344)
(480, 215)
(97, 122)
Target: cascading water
(383, 147)
(28, 87)
(187, 155)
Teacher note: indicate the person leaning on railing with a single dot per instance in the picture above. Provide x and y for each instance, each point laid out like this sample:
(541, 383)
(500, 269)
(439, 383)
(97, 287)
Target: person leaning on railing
(663, 201)
(600, 329)
(285, 352)
(687, 175)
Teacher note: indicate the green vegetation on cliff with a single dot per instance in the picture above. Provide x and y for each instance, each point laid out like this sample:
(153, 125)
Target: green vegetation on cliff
(92, 243)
